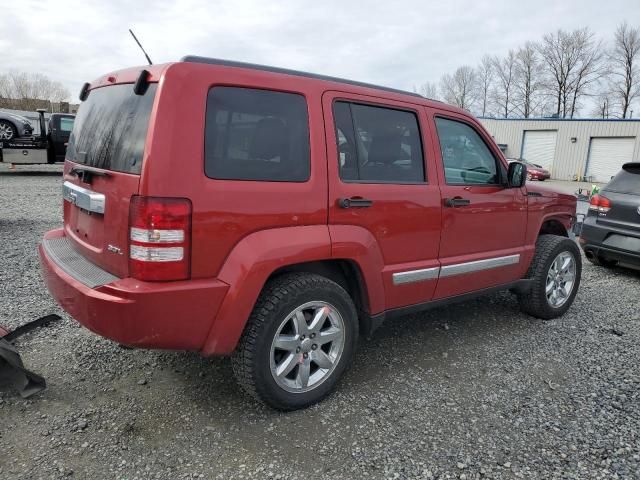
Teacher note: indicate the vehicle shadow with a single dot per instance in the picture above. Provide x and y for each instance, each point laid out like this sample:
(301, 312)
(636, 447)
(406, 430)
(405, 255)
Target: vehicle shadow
(430, 340)
(627, 270)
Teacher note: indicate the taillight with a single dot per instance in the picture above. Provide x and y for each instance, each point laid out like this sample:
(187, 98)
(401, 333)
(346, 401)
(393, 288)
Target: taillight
(599, 204)
(159, 238)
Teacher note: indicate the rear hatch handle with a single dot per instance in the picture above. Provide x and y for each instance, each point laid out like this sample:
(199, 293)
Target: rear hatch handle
(86, 174)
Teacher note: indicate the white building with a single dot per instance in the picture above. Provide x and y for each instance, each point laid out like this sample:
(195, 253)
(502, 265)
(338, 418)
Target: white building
(571, 149)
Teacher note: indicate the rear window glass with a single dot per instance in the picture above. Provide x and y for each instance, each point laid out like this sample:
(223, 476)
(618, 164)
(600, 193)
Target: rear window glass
(256, 135)
(111, 127)
(626, 181)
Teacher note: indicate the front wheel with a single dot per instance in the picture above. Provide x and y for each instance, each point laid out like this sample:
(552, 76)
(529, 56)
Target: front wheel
(555, 272)
(299, 340)
(7, 130)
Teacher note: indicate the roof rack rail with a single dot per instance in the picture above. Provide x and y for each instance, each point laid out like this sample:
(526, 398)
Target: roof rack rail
(267, 68)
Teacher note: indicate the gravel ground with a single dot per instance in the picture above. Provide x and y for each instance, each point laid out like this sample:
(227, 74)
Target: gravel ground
(477, 390)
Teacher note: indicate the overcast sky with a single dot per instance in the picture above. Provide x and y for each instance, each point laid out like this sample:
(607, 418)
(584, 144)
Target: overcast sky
(394, 43)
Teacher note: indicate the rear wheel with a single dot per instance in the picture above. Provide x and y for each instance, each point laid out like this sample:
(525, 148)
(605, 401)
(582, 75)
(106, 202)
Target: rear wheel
(555, 271)
(299, 340)
(7, 130)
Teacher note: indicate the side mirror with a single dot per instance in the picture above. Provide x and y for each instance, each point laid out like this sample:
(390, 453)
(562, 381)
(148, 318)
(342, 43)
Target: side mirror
(516, 174)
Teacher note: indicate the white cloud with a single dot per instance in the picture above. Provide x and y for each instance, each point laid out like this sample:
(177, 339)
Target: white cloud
(400, 44)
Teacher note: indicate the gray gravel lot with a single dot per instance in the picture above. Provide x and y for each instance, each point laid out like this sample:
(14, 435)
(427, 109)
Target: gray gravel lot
(476, 390)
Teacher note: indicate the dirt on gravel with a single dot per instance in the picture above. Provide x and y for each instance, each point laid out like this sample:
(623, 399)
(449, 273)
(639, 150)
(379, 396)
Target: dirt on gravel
(475, 390)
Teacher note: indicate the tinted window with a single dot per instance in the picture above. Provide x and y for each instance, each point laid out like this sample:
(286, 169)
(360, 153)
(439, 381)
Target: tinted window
(256, 135)
(626, 181)
(111, 127)
(378, 145)
(466, 158)
(66, 124)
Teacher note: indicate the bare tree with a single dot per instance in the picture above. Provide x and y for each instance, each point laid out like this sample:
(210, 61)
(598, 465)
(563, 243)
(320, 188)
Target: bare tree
(28, 91)
(429, 90)
(555, 53)
(588, 68)
(528, 80)
(460, 89)
(625, 73)
(573, 63)
(503, 93)
(486, 74)
(602, 107)
(4, 87)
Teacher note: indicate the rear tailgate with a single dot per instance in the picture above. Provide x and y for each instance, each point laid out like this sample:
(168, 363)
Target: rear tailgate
(624, 213)
(100, 237)
(623, 193)
(102, 172)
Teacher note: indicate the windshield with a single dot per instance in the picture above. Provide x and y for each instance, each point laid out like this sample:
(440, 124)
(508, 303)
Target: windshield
(110, 129)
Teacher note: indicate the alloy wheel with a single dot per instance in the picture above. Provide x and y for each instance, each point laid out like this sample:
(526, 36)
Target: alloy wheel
(560, 279)
(6, 131)
(307, 347)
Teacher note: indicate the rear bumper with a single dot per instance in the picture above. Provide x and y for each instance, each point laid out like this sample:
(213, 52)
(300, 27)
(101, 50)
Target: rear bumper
(168, 315)
(609, 244)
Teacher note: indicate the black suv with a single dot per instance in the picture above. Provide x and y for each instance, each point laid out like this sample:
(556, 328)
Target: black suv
(611, 229)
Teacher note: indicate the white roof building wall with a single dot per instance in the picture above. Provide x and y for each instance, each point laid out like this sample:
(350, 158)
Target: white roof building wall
(570, 160)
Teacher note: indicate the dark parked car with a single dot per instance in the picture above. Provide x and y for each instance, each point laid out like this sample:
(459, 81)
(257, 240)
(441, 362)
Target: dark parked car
(13, 126)
(58, 132)
(611, 229)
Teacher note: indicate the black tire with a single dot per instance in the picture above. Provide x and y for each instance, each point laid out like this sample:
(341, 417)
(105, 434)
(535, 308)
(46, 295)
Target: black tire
(535, 302)
(252, 359)
(10, 129)
(602, 262)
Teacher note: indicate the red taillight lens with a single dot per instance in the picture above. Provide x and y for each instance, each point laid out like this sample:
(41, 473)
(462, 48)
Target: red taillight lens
(599, 204)
(159, 238)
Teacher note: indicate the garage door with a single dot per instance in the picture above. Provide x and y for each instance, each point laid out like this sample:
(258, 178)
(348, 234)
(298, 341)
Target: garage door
(607, 155)
(539, 147)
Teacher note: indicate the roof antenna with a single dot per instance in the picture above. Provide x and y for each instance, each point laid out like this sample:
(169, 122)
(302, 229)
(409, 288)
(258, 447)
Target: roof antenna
(145, 53)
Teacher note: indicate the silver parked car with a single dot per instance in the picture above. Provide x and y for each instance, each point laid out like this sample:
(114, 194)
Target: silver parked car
(12, 126)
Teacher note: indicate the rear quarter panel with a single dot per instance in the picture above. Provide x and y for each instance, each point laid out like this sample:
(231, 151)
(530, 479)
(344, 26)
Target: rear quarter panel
(226, 211)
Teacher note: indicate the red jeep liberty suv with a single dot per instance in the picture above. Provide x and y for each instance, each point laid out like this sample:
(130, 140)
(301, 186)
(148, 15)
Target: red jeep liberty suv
(274, 215)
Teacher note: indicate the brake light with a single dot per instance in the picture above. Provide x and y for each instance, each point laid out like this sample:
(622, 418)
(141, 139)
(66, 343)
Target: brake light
(159, 238)
(599, 204)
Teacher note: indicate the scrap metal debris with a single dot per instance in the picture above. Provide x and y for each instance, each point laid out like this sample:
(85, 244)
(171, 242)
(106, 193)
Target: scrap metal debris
(12, 370)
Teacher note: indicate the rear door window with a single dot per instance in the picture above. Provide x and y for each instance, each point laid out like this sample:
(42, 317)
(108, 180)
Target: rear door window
(378, 144)
(256, 134)
(110, 129)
